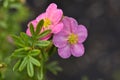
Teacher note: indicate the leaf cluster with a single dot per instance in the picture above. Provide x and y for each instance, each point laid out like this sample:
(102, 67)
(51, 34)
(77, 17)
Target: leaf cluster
(29, 48)
(54, 68)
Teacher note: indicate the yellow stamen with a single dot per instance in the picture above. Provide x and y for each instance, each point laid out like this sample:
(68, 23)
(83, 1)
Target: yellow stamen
(47, 22)
(72, 38)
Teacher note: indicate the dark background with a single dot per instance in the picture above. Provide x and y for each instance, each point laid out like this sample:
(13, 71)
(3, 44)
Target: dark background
(102, 56)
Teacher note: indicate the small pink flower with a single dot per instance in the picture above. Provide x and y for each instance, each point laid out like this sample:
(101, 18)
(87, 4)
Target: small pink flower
(52, 20)
(69, 40)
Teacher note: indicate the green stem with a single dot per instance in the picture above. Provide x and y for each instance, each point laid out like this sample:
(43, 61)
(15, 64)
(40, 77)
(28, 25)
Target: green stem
(42, 70)
(33, 44)
(41, 73)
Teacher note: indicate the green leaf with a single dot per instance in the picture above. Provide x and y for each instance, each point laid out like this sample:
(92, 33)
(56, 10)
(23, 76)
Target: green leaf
(27, 48)
(25, 38)
(18, 50)
(34, 52)
(54, 68)
(19, 44)
(19, 54)
(42, 43)
(43, 34)
(16, 65)
(24, 63)
(35, 61)
(18, 41)
(22, 49)
(30, 69)
(32, 29)
(52, 50)
(39, 26)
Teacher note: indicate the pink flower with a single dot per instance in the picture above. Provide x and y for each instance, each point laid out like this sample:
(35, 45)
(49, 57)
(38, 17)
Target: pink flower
(69, 40)
(52, 20)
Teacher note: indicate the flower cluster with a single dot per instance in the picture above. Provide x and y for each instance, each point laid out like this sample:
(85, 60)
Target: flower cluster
(68, 35)
(52, 20)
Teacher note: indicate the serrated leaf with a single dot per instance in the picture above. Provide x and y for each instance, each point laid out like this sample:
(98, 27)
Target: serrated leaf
(39, 26)
(32, 29)
(16, 65)
(30, 69)
(24, 63)
(43, 34)
(34, 52)
(42, 43)
(35, 61)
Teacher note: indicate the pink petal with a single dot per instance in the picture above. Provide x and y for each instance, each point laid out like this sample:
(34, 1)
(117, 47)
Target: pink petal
(34, 22)
(52, 7)
(64, 52)
(60, 40)
(40, 17)
(57, 28)
(73, 25)
(28, 32)
(77, 50)
(55, 16)
(82, 33)
(66, 23)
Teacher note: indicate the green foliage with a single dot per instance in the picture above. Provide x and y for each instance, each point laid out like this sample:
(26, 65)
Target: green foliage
(16, 65)
(34, 61)
(54, 68)
(23, 63)
(32, 29)
(42, 43)
(45, 33)
(33, 52)
(12, 14)
(30, 69)
(39, 27)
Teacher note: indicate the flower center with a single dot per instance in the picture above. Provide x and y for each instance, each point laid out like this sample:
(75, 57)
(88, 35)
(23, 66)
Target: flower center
(47, 22)
(73, 38)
